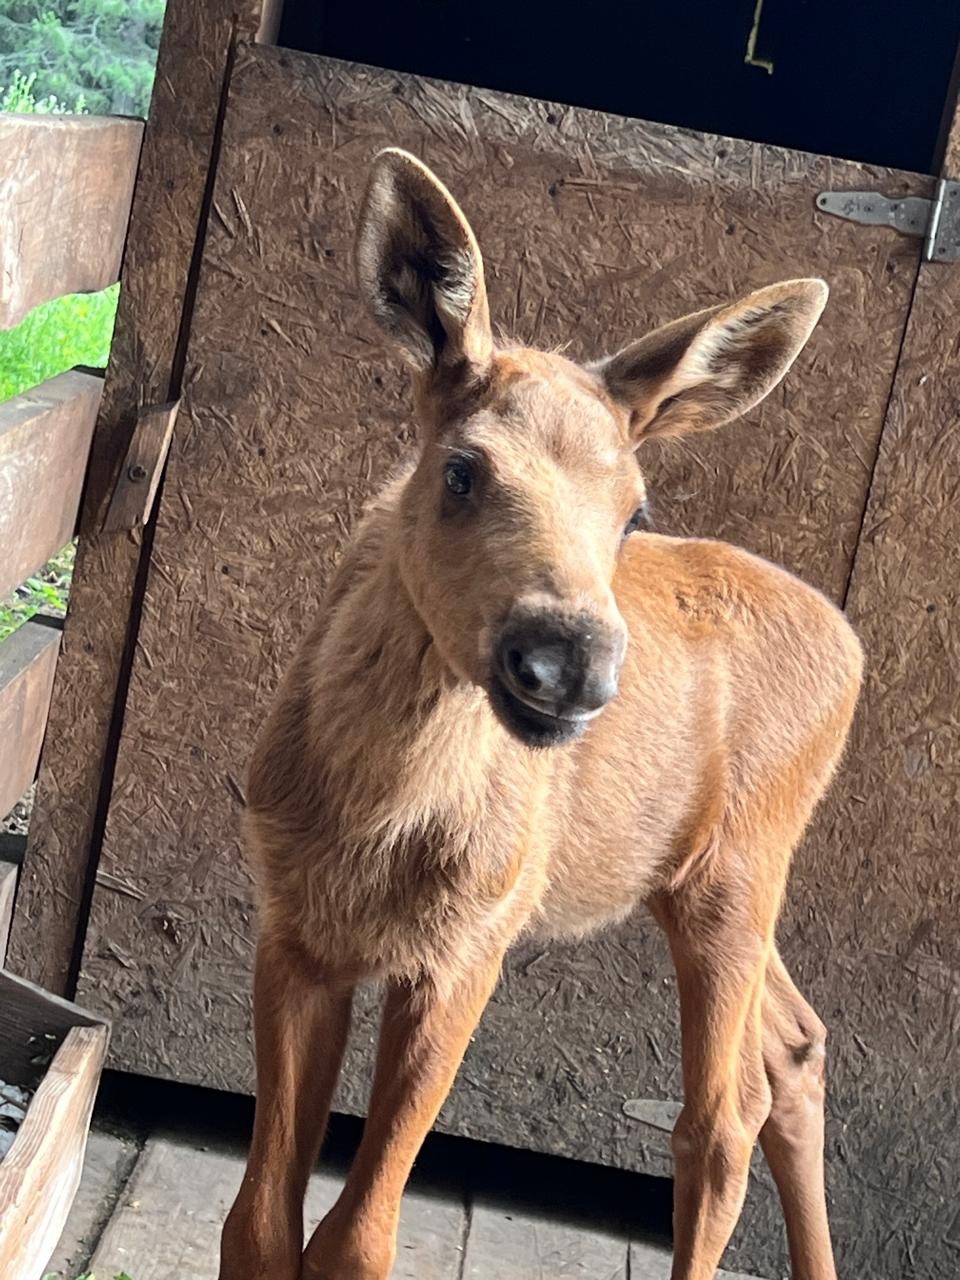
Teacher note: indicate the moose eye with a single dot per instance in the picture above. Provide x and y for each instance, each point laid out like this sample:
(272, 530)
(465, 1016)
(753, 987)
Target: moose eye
(639, 520)
(458, 477)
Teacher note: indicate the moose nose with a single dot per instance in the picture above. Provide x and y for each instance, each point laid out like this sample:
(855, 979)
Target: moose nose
(564, 667)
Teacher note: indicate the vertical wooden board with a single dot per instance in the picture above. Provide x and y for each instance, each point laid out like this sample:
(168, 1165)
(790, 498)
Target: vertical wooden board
(28, 658)
(293, 415)
(64, 205)
(8, 888)
(107, 1164)
(504, 1243)
(44, 445)
(40, 1173)
(166, 228)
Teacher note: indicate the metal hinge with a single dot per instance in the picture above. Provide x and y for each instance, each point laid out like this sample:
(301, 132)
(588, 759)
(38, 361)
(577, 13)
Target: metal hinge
(936, 220)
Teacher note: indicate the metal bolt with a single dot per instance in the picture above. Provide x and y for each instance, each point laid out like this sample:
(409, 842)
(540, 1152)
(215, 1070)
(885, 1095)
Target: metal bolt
(137, 473)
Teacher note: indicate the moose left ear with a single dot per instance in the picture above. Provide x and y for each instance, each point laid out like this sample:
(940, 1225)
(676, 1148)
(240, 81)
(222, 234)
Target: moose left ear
(708, 368)
(419, 268)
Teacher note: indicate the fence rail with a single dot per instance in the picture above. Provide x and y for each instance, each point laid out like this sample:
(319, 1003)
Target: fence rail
(64, 206)
(27, 662)
(44, 443)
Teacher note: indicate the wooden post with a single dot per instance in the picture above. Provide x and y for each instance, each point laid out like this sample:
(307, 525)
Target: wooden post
(158, 280)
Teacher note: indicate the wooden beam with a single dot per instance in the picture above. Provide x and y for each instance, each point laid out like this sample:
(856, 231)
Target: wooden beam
(29, 1016)
(139, 478)
(44, 445)
(40, 1174)
(28, 659)
(160, 266)
(64, 205)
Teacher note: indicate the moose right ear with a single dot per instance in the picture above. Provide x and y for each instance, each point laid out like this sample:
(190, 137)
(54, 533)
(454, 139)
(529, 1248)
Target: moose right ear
(712, 366)
(419, 267)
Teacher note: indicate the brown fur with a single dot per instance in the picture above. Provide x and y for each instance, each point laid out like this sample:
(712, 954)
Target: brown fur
(402, 833)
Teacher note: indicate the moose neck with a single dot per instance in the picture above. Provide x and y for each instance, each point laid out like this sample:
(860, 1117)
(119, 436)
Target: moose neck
(401, 737)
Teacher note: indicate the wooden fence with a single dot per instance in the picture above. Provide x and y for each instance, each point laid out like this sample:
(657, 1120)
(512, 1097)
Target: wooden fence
(64, 208)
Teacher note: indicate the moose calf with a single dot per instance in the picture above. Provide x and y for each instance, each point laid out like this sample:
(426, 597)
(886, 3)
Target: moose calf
(516, 714)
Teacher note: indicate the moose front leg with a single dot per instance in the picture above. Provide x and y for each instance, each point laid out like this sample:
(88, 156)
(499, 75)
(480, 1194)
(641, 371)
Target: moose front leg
(301, 1028)
(424, 1034)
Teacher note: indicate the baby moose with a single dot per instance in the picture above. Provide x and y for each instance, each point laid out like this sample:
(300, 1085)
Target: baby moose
(517, 713)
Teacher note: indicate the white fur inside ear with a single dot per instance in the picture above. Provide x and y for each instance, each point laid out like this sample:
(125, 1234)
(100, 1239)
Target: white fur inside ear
(454, 294)
(716, 354)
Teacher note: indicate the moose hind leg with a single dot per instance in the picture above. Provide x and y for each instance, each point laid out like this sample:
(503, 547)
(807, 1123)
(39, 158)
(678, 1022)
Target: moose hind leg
(794, 1050)
(720, 936)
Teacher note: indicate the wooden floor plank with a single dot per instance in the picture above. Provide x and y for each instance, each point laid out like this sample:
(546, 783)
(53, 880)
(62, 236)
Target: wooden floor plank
(650, 1260)
(504, 1244)
(106, 1167)
(432, 1229)
(167, 1223)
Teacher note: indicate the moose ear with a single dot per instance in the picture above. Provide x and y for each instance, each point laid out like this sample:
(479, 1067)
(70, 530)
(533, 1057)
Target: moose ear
(419, 267)
(710, 367)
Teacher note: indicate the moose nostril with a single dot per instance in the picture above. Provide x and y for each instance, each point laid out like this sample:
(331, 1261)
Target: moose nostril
(522, 672)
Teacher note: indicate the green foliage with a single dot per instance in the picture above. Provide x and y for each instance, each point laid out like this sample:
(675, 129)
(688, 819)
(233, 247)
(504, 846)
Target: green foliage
(68, 331)
(47, 590)
(19, 95)
(65, 57)
(102, 51)
(56, 336)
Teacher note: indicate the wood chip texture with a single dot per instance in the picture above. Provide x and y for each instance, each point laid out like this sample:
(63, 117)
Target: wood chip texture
(593, 229)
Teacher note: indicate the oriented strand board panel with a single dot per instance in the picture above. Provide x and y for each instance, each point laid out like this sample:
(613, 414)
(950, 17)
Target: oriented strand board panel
(64, 205)
(593, 229)
(893, 828)
(28, 659)
(44, 444)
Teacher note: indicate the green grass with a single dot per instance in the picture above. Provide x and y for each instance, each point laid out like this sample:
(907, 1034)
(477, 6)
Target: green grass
(56, 336)
(46, 590)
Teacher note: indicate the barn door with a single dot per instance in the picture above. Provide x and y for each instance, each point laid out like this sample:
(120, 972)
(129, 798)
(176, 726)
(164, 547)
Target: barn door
(593, 228)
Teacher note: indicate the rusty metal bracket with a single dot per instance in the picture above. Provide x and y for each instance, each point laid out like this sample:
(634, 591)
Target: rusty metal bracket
(136, 488)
